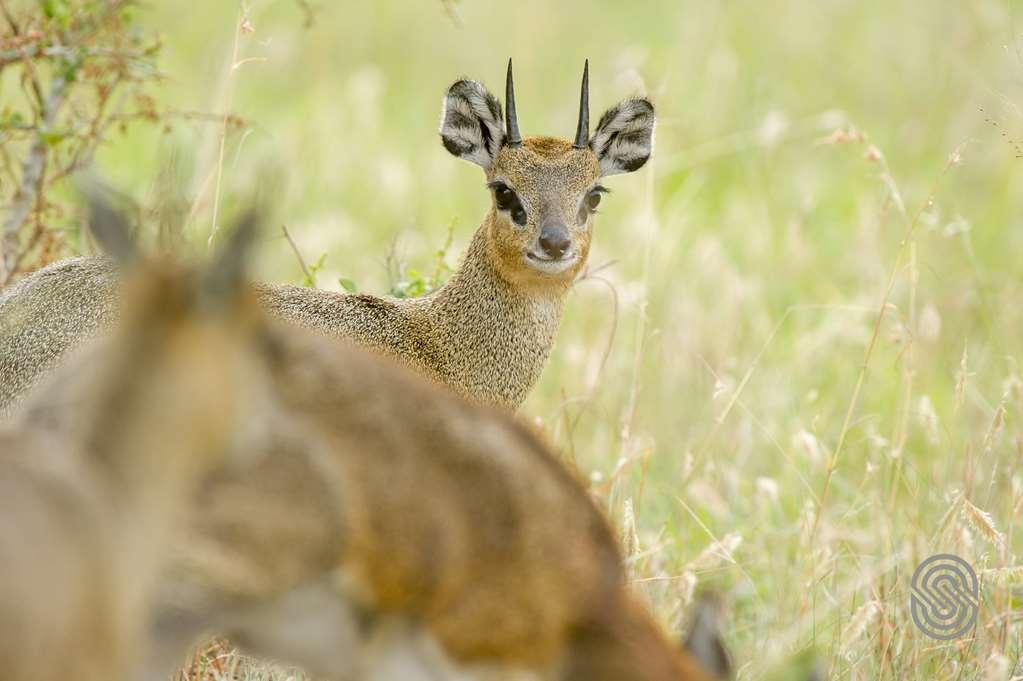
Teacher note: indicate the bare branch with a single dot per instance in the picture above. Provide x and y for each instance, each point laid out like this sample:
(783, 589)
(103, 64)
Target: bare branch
(298, 254)
(63, 52)
(31, 178)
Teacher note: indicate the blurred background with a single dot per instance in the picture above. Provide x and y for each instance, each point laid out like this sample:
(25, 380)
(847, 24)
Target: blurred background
(792, 372)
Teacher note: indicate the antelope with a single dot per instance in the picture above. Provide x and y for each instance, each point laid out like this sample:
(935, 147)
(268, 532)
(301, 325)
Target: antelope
(486, 333)
(83, 518)
(383, 527)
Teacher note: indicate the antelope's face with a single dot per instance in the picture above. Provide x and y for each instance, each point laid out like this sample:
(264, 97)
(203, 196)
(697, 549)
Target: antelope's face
(545, 190)
(544, 193)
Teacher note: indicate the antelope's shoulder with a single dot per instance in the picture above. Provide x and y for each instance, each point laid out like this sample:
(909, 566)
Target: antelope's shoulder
(74, 277)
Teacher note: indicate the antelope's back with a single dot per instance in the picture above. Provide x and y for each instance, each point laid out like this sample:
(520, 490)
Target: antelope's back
(49, 313)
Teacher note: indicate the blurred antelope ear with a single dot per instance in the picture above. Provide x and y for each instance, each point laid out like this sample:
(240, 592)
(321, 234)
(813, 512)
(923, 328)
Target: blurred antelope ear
(624, 137)
(471, 127)
(704, 640)
(107, 223)
(226, 278)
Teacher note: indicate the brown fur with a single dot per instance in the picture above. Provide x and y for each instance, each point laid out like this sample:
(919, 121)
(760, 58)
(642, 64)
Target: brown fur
(372, 497)
(551, 179)
(84, 515)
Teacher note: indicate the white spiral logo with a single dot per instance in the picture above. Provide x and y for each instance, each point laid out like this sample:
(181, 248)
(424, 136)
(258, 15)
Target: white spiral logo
(944, 597)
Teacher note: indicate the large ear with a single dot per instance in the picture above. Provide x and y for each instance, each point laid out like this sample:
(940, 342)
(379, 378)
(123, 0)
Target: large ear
(471, 125)
(624, 136)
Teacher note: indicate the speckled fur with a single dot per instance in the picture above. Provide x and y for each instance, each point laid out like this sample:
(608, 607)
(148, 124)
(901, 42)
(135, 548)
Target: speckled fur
(487, 333)
(47, 314)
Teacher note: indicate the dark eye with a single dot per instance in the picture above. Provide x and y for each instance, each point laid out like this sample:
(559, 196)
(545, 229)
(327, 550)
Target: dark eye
(506, 199)
(590, 203)
(504, 196)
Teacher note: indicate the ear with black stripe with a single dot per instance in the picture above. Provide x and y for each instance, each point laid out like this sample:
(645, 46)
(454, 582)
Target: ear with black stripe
(471, 127)
(624, 137)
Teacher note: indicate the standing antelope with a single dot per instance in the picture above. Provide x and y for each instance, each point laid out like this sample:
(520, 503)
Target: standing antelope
(85, 514)
(487, 333)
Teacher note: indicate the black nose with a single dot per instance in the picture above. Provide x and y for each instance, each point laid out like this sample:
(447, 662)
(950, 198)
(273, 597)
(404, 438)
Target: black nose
(554, 239)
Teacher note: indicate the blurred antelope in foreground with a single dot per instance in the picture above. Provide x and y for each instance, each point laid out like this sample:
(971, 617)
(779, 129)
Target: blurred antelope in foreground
(84, 516)
(486, 333)
(391, 530)
(383, 528)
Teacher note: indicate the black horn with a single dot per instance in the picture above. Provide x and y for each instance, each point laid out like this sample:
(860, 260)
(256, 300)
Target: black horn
(511, 120)
(582, 131)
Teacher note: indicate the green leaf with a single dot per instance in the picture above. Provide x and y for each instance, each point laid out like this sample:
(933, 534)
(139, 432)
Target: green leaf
(69, 69)
(59, 10)
(399, 289)
(52, 138)
(348, 285)
(309, 280)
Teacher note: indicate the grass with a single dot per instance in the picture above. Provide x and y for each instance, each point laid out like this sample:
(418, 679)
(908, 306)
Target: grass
(813, 376)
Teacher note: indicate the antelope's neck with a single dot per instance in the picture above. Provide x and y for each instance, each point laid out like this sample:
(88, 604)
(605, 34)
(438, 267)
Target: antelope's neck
(499, 334)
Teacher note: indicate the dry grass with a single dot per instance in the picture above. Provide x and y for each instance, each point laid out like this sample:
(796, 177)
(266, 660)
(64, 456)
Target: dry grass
(813, 380)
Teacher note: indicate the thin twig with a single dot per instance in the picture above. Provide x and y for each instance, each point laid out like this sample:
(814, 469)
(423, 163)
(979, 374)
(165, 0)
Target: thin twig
(14, 56)
(239, 27)
(298, 254)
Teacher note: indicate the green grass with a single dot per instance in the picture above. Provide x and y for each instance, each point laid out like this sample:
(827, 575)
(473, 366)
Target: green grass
(751, 262)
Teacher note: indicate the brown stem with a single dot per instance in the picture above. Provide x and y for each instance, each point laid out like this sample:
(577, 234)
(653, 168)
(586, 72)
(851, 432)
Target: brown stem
(298, 254)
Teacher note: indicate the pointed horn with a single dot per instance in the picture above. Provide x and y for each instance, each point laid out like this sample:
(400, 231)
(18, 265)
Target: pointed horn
(511, 120)
(582, 131)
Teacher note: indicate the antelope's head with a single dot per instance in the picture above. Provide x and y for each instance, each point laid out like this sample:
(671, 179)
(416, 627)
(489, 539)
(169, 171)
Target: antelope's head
(545, 189)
